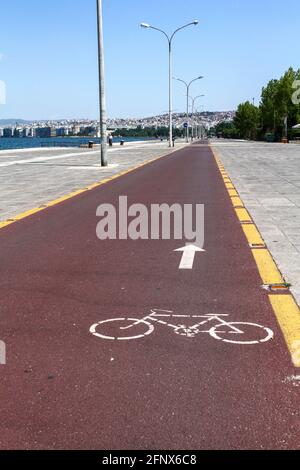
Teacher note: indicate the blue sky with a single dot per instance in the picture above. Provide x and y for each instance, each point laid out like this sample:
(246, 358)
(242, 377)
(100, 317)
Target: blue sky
(49, 54)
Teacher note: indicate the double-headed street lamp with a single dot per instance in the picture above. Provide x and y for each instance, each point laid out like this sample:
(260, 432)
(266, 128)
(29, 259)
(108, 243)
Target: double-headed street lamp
(187, 100)
(102, 101)
(170, 41)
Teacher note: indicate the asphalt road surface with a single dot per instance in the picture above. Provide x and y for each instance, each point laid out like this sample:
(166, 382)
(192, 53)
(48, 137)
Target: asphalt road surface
(176, 388)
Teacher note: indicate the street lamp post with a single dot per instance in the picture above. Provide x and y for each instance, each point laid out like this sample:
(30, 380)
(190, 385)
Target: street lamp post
(193, 108)
(170, 42)
(188, 85)
(102, 101)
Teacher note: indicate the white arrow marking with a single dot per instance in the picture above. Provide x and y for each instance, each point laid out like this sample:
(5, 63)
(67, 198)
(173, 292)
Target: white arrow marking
(188, 256)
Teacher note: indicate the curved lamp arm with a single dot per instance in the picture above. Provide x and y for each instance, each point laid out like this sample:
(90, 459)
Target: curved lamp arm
(185, 26)
(169, 38)
(179, 80)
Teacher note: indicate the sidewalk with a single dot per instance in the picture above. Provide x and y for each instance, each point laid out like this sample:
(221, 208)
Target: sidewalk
(30, 178)
(267, 177)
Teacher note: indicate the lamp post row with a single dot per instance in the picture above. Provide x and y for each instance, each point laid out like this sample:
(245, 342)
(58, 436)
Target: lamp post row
(170, 43)
(193, 109)
(188, 85)
(102, 101)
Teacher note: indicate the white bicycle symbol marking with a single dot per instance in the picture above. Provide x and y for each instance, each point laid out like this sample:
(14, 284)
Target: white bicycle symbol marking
(246, 333)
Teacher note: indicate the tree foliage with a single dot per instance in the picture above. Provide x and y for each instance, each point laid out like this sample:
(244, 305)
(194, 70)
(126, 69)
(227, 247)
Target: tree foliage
(277, 104)
(226, 129)
(268, 120)
(246, 121)
(151, 132)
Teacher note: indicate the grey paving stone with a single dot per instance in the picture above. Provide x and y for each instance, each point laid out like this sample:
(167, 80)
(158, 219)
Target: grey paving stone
(34, 177)
(270, 175)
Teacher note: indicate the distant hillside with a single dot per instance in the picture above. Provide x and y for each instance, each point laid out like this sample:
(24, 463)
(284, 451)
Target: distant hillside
(10, 122)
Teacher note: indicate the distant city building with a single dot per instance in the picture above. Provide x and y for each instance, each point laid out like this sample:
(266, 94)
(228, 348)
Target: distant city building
(90, 127)
(45, 132)
(75, 130)
(26, 132)
(17, 132)
(90, 131)
(7, 132)
(62, 132)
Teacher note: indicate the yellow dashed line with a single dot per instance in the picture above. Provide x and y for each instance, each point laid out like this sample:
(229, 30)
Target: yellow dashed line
(237, 202)
(233, 193)
(288, 316)
(285, 307)
(252, 234)
(243, 215)
(267, 268)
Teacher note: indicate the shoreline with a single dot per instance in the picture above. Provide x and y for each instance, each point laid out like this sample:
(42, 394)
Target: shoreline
(4, 152)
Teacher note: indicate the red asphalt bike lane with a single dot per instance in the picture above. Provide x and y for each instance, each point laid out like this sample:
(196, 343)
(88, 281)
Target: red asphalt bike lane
(64, 388)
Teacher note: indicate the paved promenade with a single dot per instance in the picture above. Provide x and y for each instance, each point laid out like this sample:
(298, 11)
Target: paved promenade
(32, 177)
(267, 177)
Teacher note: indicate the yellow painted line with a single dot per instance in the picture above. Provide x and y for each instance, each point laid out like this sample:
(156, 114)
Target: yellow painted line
(6, 223)
(75, 193)
(57, 201)
(288, 316)
(237, 202)
(92, 186)
(233, 193)
(267, 267)
(66, 198)
(285, 307)
(243, 215)
(229, 186)
(28, 213)
(83, 190)
(252, 234)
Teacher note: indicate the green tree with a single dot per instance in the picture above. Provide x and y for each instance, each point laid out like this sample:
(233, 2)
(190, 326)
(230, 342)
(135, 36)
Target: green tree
(247, 120)
(226, 129)
(276, 104)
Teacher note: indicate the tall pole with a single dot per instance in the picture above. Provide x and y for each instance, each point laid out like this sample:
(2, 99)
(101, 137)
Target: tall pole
(193, 123)
(170, 40)
(170, 96)
(102, 100)
(187, 102)
(193, 112)
(187, 114)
